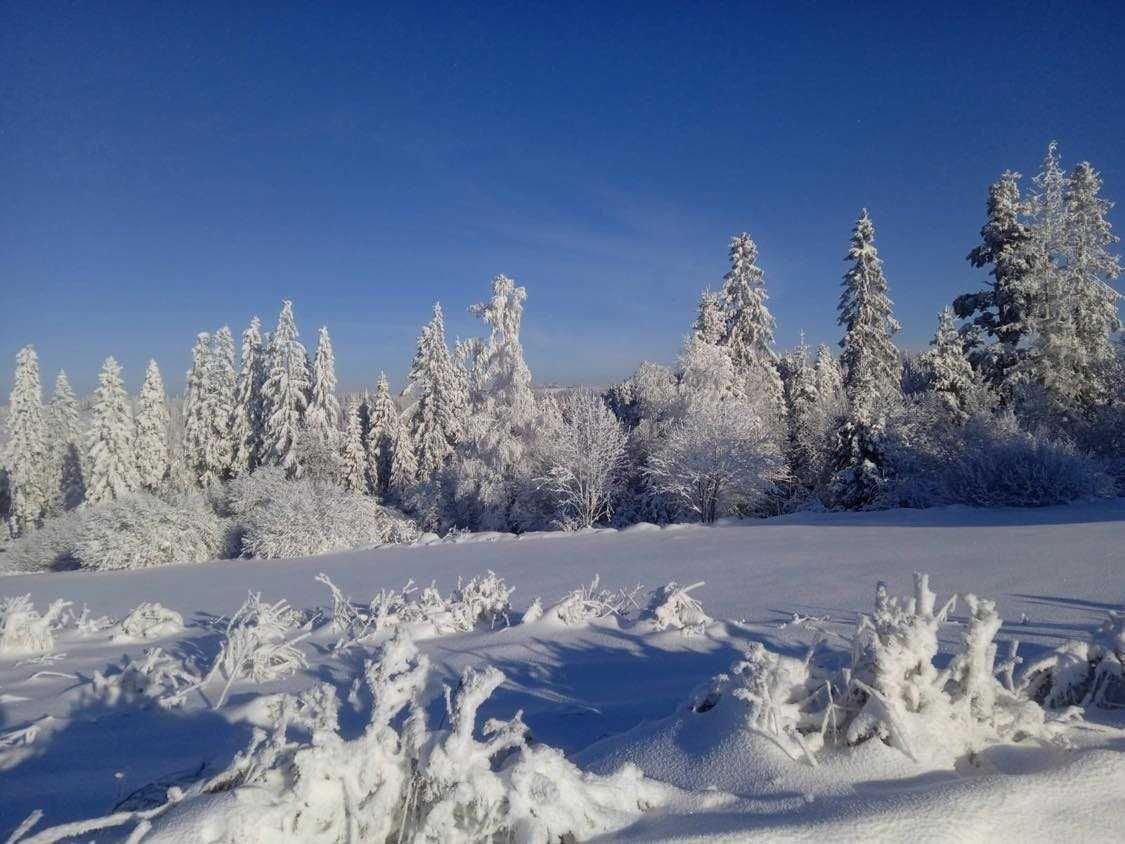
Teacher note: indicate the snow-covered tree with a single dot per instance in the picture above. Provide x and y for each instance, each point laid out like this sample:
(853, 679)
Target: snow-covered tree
(872, 370)
(355, 455)
(950, 374)
(1091, 269)
(64, 433)
(749, 326)
(403, 464)
(197, 424)
(285, 394)
(221, 382)
(28, 456)
(113, 469)
(710, 320)
(806, 450)
(437, 421)
(152, 432)
(382, 429)
(718, 459)
(706, 373)
(584, 460)
(247, 424)
(323, 416)
(1006, 309)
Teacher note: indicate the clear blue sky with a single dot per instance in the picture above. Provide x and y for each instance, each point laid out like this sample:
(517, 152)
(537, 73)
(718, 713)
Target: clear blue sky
(167, 168)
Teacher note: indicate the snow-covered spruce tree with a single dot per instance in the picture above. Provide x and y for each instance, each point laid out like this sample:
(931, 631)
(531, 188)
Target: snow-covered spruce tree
(584, 461)
(1005, 310)
(829, 380)
(437, 421)
(246, 427)
(807, 453)
(67, 485)
(501, 428)
(113, 468)
(749, 327)
(950, 374)
(1091, 269)
(285, 394)
(28, 458)
(871, 365)
(197, 427)
(355, 455)
(710, 320)
(403, 468)
(219, 403)
(323, 415)
(717, 460)
(152, 432)
(382, 429)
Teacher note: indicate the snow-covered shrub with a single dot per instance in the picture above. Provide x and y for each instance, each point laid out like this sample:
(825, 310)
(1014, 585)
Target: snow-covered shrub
(672, 607)
(304, 518)
(482, 600)
(155, 676)
(141, 531)
(1082, 673)
(399, 780)
(719, 458)
(51, 547)
(999, 465)
(590, 602)
(149, 621)
(890, 690)
(24, 631)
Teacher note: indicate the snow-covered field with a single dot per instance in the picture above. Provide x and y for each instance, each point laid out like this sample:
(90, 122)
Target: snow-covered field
(614, 690)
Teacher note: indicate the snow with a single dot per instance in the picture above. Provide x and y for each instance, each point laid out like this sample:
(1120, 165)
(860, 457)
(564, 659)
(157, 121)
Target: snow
(608, 691)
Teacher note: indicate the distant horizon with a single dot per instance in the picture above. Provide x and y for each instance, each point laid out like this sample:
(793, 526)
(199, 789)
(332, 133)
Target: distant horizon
(171, 169)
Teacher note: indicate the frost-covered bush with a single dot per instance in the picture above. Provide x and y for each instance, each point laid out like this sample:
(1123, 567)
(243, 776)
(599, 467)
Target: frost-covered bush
(156, 676)
(589, 603)
(141, 531)
(149, 621)
(891, 690)
(1000, 465)
(304, 518)
(482, 600)
(24, 630)
(400, 779)
(1082, 673)
(51, 547)
(671, 607)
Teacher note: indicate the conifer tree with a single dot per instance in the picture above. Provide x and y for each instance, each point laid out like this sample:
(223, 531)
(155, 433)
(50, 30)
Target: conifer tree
(113, 469)
(710, 319)
(247, 424)
(950, 373)
(220, 408)
(285, 394)
(806, 445)
(382, 428)
(749, 327)
(152, 432)
(28, 456)
(436, 422)
(355, 456)
(403, 465)
(67, 482)
(323, 416)
(197, 423)
(829, 382)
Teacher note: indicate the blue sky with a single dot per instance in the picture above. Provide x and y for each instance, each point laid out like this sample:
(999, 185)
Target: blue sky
(168, 168)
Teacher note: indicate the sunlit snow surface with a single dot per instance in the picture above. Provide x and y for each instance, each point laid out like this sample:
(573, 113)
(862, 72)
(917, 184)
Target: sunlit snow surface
(613, 691)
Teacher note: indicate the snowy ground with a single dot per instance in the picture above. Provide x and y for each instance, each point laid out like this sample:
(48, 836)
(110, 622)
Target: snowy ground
(610, 692)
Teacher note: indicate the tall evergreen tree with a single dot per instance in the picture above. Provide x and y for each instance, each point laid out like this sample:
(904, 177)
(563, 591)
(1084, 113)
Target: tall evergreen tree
(806, 446)
(437, 419)
(710, 320)
(355, 455)
(404, 464)
(247, 425)
(152, 432)
(323, 415)
(749, 326)
(220, 408)
(382, 427)
(285, 395)
(113, 470)
(197, 422)
(67, 483)
(950, 373)
(28, 456)
(829, 382)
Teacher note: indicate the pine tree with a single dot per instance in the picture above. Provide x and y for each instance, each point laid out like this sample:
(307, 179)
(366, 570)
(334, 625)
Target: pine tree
(153, 423)
(67, 485)
(404, 465)
(710, 320)
(437, 420)
(113, 471)
(197, 423)
(28, 456)
(950, 373)
(1091, 269)
(872, 370)
(323, 416)
(749, 327)
(355, 456)
(285, 395)
(382, 427)
(221, 383)
(829, 381)
(1006, 310)
(246, 429)
(806, 445)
